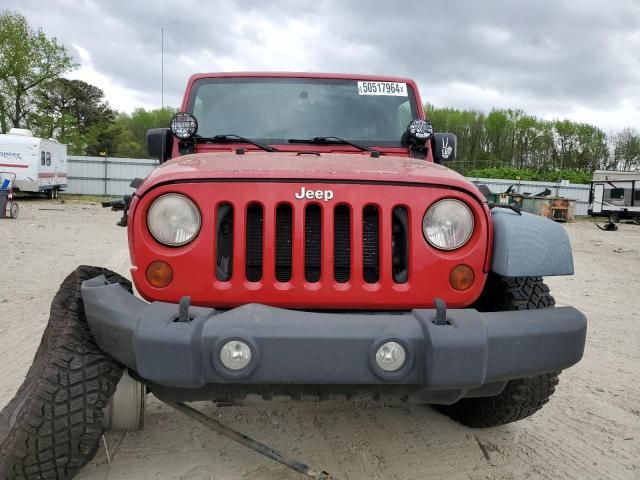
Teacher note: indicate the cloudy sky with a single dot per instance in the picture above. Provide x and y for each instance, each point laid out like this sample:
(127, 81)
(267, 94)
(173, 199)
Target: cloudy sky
(578, 59)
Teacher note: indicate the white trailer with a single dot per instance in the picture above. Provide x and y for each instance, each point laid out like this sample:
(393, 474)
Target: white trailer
(40, 165)
(615, 195)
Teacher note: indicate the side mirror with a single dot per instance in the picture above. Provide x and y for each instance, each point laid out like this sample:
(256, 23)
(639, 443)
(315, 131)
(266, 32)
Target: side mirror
(444, 147)
(160, 143)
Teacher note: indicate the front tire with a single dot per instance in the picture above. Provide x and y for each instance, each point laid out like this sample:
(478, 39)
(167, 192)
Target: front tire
(522, 397)
(52, 427)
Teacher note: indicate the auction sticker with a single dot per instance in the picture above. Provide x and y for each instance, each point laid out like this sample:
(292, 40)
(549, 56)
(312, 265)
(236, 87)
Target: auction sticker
(395, 89)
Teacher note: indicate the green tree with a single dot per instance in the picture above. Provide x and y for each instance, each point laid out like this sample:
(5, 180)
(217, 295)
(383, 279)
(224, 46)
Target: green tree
(504, 140)
(468, 125)
(498, 137)
(626, 150)
(137, 124)
(28, 59)
(592, 152)
(68, 109)
(110, 139)
(126, 135)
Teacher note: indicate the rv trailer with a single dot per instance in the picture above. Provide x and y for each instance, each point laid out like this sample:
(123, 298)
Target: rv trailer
(615, 195)
(40, 165)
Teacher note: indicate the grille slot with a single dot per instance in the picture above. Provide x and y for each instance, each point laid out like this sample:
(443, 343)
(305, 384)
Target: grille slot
(224, 245)
(284, 242)
(254, 243)
(312, 243)
(370, 244)
(400, 245)
(342, 244)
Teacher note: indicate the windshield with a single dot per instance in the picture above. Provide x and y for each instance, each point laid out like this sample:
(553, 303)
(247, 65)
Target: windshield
(276, 110)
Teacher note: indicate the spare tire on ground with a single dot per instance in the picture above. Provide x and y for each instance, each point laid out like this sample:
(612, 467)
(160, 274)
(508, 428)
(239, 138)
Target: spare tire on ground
(52, 427)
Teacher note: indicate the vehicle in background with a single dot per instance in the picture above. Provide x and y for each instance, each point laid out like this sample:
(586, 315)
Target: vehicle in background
(615, 195)
(40, 165)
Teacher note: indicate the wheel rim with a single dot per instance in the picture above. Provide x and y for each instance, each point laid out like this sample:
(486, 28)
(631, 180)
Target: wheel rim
(126, 408)
(14, 210)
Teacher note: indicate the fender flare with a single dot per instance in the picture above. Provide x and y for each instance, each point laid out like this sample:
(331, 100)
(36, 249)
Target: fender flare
(529, 246)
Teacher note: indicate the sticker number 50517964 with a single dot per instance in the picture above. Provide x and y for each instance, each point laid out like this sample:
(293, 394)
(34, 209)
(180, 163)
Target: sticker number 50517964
(382, 88)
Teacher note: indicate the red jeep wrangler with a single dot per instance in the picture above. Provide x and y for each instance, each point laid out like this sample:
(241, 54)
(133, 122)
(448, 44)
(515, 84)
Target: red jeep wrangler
(304, 239)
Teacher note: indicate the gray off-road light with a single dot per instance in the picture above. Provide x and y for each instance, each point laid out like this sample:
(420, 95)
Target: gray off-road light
(235, 355)
(391, 356)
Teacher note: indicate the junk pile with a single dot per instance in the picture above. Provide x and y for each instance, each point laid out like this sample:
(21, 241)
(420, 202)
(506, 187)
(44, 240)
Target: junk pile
(542, 203)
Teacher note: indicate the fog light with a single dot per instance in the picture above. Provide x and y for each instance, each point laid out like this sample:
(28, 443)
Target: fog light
(461, 277)
(159, 274)
(391, 356)
(235, 355)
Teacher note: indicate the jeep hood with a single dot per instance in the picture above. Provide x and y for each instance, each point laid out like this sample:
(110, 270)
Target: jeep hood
(329, 167)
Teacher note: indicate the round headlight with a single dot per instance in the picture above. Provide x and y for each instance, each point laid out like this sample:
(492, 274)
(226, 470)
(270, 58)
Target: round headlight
(184, 125)
(173, 219)
(448, 224)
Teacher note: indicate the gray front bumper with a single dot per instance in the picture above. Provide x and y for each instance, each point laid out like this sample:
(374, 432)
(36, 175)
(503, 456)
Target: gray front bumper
(294, 347)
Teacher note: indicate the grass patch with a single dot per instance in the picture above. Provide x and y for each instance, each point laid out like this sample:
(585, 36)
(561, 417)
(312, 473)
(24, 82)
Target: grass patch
(590, 219)
(87, 198)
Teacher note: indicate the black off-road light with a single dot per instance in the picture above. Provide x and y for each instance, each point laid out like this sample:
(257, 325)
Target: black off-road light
(420, 130)
(184, 125)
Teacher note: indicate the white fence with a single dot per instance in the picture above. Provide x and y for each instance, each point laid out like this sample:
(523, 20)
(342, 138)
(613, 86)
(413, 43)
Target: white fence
(105, 176)
(111, 176)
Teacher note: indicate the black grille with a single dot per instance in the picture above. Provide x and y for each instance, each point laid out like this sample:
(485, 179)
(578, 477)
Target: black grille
(400, 245)
(284, 242)
(342, 244)
(312, 243)
(370, 244)
(255, 220)
(255, 249)
(224, 247)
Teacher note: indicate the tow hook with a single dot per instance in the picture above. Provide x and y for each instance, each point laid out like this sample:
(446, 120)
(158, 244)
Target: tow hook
(183, 310)
(441, 312)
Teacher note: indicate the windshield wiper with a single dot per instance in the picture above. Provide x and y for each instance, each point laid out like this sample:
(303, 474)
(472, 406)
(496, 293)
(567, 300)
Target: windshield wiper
(232, 136)
(335, 140)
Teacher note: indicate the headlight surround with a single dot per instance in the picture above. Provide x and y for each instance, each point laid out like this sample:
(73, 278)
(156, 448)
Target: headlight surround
(448, 224)
(173, 219)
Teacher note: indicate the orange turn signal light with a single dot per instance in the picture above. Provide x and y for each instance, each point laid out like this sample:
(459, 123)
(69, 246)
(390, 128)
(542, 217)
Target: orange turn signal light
(461, 277)
(159, 274)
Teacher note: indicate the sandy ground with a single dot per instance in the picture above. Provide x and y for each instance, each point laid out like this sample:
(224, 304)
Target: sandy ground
(590, 428)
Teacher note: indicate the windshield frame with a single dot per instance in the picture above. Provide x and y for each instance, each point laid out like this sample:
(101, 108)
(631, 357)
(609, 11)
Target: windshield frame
(413, 97)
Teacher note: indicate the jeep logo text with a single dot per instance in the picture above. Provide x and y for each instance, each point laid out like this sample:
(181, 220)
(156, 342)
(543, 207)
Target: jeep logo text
(325, 195)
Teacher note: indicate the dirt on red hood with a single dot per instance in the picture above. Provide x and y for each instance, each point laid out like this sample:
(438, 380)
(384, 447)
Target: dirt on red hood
(329, 167)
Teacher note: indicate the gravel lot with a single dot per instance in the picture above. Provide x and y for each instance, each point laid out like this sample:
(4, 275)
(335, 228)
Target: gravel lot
(590, 428)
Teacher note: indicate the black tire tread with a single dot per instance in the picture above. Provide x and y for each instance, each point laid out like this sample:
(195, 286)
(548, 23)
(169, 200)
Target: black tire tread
(522, 397)
(518, 293)
(52, 427)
